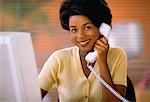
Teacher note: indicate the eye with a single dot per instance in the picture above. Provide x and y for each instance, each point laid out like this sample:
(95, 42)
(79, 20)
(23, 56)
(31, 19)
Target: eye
(87, 27)
(73, 30)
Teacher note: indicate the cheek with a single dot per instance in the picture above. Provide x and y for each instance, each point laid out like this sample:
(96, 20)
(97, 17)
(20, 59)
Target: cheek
(73, 39)
(96, 34)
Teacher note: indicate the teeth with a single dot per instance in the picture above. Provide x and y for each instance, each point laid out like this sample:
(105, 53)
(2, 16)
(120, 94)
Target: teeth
(84, 42)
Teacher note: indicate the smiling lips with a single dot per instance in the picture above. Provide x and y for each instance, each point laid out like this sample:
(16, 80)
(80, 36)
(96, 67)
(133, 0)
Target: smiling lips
(84, 43)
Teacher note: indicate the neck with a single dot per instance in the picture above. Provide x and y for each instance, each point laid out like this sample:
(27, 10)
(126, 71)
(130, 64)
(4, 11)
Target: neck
(82, 57)
(82, 53)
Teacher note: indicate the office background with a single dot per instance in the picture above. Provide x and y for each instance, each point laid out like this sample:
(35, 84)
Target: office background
(41, 19)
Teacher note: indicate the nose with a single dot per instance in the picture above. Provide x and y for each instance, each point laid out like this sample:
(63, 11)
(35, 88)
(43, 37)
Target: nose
(81, 33)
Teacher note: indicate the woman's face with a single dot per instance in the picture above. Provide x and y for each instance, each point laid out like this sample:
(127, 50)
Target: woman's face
(83, 32)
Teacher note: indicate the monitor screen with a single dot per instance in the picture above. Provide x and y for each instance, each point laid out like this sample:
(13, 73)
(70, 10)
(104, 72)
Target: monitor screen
(18, 71)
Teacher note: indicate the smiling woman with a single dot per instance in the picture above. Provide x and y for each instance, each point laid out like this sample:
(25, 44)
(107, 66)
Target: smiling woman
(75, 82)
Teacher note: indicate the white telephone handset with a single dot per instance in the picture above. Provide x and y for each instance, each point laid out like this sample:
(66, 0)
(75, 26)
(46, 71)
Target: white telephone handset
(104, 30)
(91, 58)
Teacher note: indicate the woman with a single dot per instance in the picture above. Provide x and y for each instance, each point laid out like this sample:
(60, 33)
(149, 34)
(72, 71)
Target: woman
(67, 68)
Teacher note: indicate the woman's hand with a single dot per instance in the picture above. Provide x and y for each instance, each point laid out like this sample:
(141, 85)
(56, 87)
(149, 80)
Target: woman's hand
(102, 46)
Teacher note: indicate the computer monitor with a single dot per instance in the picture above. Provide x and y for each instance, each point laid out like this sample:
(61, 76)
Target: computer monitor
(18, 71)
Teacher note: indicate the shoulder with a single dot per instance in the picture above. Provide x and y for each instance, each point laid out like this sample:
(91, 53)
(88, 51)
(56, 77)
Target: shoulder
(60, 56)
(116, 51)
(64, 53)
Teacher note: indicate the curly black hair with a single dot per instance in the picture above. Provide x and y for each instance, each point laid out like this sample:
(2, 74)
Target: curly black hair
(96, 10)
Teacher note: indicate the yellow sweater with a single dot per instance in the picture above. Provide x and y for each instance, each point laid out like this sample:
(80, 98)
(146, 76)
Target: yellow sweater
(64, 69)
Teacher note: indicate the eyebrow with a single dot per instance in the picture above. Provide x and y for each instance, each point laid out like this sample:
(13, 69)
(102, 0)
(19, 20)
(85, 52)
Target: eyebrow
(86, 24)
(82, 25)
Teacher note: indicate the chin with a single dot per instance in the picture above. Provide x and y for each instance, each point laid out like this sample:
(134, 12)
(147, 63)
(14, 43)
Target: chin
(86, 49)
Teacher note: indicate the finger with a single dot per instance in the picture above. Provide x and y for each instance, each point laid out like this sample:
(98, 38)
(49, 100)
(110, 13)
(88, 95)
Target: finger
(101, 43)
(104, 40)
(98, 47)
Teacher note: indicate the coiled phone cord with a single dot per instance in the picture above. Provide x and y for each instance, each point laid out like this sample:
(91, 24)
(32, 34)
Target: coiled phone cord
(106, 85)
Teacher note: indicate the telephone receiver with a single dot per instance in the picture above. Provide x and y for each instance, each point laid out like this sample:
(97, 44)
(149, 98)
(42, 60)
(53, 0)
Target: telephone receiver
(104, 30)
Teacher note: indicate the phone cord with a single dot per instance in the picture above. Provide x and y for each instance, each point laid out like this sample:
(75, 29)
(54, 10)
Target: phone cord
(107, 85)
